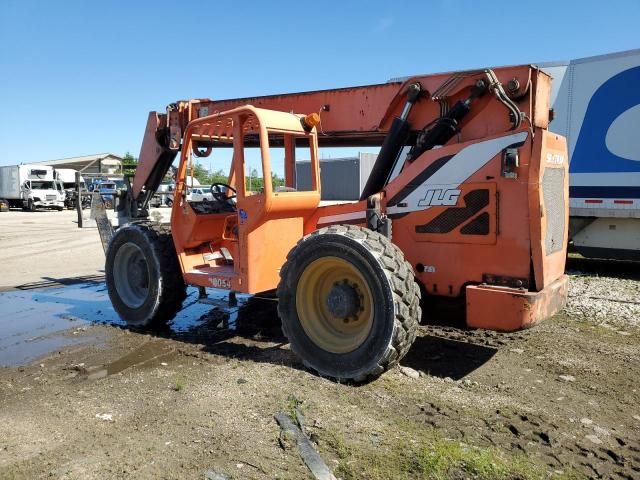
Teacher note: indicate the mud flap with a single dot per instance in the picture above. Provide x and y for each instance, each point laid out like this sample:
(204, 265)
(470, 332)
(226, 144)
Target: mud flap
(99, 214)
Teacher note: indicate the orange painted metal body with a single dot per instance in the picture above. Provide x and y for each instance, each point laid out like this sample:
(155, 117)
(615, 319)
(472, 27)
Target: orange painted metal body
(508, 309)
(362, 115)
(464, 226)
(266, 224)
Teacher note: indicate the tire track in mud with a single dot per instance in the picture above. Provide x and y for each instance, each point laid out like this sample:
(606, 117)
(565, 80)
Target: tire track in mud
(539, 431)
(537, 436)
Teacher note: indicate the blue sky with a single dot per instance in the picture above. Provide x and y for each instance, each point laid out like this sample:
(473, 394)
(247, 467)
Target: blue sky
(78, 77)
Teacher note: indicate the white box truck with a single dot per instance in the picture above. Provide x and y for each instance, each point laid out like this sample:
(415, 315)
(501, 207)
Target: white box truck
(67, 176)
(596, 104)
(31, 187)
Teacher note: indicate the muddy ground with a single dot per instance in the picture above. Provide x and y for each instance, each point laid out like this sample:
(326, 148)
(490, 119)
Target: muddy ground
(559, 400)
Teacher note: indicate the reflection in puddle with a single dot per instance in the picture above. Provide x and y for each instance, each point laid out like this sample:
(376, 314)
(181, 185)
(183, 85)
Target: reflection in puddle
(34, 323)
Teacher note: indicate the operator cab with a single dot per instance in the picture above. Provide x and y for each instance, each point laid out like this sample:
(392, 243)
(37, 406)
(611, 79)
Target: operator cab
(221, 229)
(217, 198)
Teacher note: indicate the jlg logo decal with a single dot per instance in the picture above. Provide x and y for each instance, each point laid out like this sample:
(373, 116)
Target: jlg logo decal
(435, 197)
(555, 158)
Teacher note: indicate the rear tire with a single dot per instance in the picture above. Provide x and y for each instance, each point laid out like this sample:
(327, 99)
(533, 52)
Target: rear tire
(349, 302)
(143, 275)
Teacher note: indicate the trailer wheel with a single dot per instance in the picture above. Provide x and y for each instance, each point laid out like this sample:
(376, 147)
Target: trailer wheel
(143, 275)
(349, 302)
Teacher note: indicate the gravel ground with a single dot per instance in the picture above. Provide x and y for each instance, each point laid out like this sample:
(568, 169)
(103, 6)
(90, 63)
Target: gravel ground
(602, 298)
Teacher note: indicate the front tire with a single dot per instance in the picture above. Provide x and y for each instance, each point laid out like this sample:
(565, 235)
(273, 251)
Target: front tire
(348, 302)
(143, 275)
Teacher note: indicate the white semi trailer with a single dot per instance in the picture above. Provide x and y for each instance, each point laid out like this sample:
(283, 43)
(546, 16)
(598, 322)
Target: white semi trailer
(31, 187)
(596, 103)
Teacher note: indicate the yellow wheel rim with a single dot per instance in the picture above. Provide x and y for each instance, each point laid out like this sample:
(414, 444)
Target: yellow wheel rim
(334, 304)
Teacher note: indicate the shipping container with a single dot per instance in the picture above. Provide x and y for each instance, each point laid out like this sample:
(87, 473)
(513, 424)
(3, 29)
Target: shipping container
(340, 178)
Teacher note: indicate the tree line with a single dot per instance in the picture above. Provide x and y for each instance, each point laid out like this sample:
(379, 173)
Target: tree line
(254, 180)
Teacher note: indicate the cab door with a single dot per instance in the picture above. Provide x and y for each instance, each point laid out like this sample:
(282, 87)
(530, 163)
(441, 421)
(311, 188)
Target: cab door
(271, 215)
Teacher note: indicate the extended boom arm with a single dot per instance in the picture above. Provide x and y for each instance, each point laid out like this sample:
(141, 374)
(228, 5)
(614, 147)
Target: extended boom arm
(370, 115)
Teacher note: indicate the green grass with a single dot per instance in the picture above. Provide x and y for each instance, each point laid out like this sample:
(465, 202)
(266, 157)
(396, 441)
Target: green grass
(337, 443)
(178, 386)
(430, 457)
(293, 403)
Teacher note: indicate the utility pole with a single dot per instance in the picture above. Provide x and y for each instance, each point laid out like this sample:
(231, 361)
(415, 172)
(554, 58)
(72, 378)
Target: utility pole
(78, 200)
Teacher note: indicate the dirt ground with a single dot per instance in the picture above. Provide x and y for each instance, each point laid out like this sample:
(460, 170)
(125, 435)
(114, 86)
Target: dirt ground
(36, 247)
(558, 400)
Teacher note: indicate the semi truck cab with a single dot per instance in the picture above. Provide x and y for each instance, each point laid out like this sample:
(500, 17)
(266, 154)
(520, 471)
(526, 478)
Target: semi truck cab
(42, 194)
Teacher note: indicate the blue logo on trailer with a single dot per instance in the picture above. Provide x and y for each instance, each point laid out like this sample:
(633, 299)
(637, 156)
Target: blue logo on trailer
(614, 97)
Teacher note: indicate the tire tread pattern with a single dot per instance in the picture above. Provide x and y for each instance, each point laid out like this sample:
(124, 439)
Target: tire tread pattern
(401, 279)
(172, 291)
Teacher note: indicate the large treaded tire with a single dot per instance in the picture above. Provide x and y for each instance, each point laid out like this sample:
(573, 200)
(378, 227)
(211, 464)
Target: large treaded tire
(166, 287)
(391, 279)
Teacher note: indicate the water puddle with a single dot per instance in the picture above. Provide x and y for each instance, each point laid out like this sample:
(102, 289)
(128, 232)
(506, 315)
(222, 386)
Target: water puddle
(147, 354)
(34, 323)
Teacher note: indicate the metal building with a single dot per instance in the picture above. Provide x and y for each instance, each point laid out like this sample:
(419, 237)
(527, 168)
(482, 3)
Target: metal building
(341, 178)
(101, 163)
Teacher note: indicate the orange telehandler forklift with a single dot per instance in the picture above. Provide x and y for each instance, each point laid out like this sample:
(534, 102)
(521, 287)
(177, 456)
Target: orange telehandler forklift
(467, 198)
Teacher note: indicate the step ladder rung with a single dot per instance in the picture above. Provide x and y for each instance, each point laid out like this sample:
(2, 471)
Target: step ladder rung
(226, 254)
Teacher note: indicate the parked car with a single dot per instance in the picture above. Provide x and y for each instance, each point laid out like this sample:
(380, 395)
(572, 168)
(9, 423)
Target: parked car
(199, 194)
(163, 196)
(108, 190)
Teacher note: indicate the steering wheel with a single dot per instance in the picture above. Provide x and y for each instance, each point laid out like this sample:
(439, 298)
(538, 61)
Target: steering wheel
(220, 195)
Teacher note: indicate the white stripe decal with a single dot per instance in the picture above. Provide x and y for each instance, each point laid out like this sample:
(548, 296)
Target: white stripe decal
(342, 217)
(458, 169)
(612, 179)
